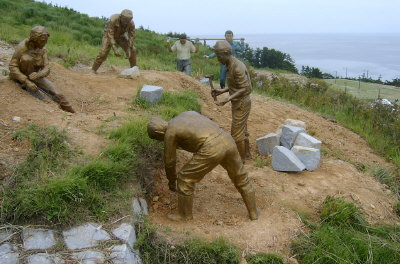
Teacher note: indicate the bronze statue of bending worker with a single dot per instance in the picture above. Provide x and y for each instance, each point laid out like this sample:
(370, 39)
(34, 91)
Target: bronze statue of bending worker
(239, 88)
(115, 33)
(29, 66)
(210, 146)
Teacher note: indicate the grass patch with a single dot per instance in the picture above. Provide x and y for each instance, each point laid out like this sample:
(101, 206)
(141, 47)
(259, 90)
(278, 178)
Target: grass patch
(154, 249)
(262, 161)
(342, 236)
(264, 258)
(171, 104)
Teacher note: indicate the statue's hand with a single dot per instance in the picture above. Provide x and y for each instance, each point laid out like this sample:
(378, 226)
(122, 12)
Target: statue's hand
(223, 102)
(31, 86)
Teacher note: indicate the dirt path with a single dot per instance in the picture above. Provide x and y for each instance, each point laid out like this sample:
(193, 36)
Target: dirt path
(103, 100)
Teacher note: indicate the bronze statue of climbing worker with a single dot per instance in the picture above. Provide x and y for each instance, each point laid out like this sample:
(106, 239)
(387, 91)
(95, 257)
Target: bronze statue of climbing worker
(239, 88)
(29, 67)
(211, 146)
(120, 29)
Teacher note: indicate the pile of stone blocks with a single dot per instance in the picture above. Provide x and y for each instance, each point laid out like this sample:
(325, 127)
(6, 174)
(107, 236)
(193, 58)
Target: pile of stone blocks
(292, 149)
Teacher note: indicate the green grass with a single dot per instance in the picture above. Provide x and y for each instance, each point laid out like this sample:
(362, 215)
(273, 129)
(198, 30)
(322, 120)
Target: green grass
(156, 250)
(264, 258)
(364, 90)
(262, 161)
(343, 237)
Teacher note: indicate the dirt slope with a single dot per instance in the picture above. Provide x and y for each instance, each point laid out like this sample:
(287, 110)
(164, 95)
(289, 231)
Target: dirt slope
(103, 100)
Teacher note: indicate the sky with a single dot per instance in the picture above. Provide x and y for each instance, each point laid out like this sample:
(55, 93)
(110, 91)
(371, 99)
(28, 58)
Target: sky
(213, 17)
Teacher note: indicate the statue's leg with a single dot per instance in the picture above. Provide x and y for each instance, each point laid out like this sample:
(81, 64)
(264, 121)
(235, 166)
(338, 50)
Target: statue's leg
(56, 94)
(102, 56)
(185, 206)
(129, 51)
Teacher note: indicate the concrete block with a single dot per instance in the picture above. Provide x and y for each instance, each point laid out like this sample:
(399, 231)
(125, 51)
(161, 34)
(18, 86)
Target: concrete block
(130, 73)
(8, 254)
(126, 233)
(151, 94)
(305, 140)
(122, 254)
(140, 206)
(38, 239)
(267, 143)
(289, 134)
(285, 160)
(205, 81)
(309, 156)
(85, 236)
(44, 258)
(296, 123)
(89, 257)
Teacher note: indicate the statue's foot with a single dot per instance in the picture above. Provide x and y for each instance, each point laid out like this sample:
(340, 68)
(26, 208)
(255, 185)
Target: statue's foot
(67, 108)
(254, 215)
(178, 218)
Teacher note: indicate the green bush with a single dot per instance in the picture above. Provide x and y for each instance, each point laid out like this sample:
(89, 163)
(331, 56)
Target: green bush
(264, 258)
(338, 212)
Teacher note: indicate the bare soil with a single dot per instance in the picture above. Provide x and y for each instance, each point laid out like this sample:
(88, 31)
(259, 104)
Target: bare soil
(103, 101)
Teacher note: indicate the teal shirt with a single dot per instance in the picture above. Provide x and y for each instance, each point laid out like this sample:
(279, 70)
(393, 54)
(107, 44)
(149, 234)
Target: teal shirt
(236, 48)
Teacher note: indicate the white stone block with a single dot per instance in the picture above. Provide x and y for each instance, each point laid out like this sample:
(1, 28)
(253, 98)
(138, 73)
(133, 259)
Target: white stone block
(267, 143)
(8, 254)
(205, 81)
(151, 94)
(305, 140)
(126, 233)
(289, 134)
(296, 123)
(44, 258)
(130, 73)
(85, 236)
(309, 156)
(285, 160)
(139, 206)
(38, 239)
(122, 254)
(89, 257)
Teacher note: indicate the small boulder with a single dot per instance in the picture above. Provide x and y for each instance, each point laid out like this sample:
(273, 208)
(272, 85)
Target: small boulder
(130, 73)
(285, 160)
(305, 140)
(205, 81)
(296, 123)
(267, 143)
(289, 134)
(309, 156)
(151, 94)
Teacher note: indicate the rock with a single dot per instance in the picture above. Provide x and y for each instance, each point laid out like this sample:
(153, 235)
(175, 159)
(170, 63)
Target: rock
(309, 156)
(205, 81)
(130, 73)
(85, 236)
(126, 233)
(122, 254)
(8, 254)
(267, 143)
(38, 239)
(140, 206)
(1, 63)
(289, 134)
(44, 258)
(296, 123)
(285, 160)
(305, 140)
(16, 118)
(151, 94)
(89, 257)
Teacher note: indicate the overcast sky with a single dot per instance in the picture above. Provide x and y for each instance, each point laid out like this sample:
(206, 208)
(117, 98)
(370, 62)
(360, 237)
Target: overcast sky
(210, 17)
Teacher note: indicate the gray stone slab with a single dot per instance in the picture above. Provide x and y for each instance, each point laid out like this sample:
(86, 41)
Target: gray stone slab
(6, 235)
(267, 143)
(44, 258)
(139, 206)
(38, 239)
(151, 94)
(289, 134)
(309, 156)
(305, 140)
(205, 81)
(285, 160)
(85, 236)
(122, 254)
(8, 254)
(89, 257)
(296, 123)
(130, 73)
(126, 233)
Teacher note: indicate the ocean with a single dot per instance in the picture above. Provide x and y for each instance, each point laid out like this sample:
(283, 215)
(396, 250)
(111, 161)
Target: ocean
(351, 55)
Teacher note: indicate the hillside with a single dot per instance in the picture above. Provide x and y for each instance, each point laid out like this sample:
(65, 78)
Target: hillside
(218, 209)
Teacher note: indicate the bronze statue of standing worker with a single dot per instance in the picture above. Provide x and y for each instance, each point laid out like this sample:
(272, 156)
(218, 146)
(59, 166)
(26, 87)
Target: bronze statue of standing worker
(120, 29)
(211, 146)
(239, 88)
(29, 66)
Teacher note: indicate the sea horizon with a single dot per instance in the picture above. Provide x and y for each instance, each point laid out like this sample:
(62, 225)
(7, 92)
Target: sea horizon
(340, 54)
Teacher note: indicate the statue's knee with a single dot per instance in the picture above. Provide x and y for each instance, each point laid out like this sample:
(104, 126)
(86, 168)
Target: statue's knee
(26, 58)
(185, 188)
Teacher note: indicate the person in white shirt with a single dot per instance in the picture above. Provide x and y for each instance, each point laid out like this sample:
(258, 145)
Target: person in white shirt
(183, 48)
